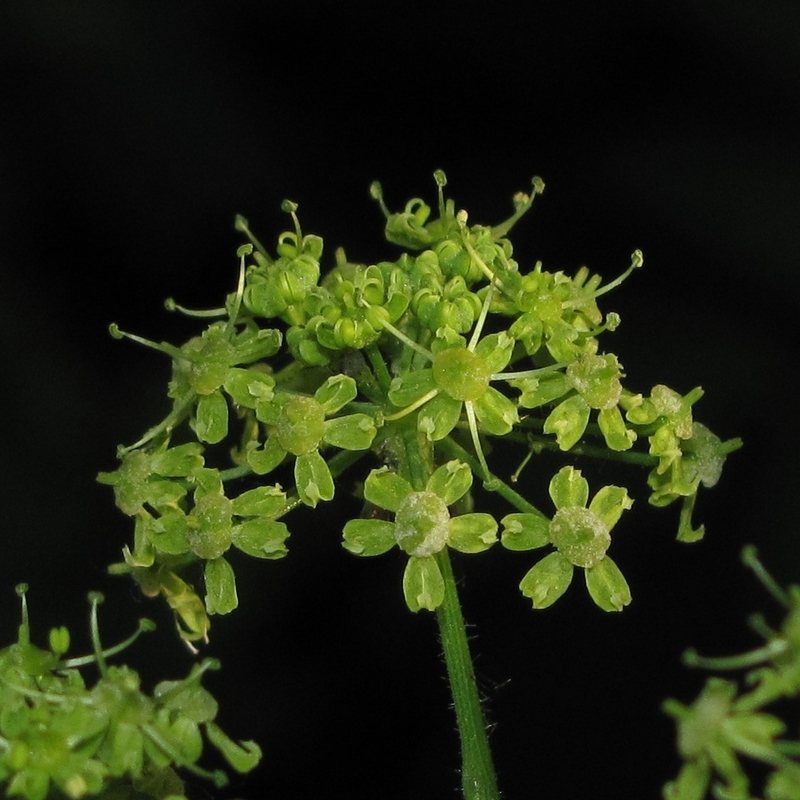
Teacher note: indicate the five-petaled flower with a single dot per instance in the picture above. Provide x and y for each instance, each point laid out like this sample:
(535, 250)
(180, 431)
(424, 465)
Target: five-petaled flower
(422, 527)
(300, 425)
(581, 537)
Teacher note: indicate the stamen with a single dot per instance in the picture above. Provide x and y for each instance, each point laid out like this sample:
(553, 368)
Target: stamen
(171, 305)
(95, 598)
(477, 330)
(637, 259)
(402, 337)
(441, 182)
(24, 637)
(769, 651)
(230, 325)
(242, 226)
(476, 442)
(750, 559)
(479, 261)
(290, 207)
(528, 373)
(413, 407)
(162, 347)
(145, 626)
(376, 191)
(522, 204)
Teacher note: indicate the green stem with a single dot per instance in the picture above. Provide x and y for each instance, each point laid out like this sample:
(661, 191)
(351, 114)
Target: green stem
(478, 780)
(539, 443)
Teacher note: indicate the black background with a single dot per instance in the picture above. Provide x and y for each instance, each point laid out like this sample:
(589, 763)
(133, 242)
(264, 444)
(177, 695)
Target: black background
(130, 135)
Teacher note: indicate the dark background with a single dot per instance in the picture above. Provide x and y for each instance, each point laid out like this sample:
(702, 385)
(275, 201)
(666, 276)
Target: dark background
(130, 135)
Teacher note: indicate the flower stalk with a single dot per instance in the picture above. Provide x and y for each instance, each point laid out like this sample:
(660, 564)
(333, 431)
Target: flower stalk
(478, 779)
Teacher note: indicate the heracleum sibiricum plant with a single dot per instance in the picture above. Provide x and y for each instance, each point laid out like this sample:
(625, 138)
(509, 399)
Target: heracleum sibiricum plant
(417, 365)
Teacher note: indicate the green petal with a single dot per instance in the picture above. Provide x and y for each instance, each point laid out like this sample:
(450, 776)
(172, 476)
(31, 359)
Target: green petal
(525, 531)
(568, 488)
(423, 585)
(268, 411)
(261, 538)
(242, 757)
(188, 697)
(209, 530)
(451, 481)
(248, 387)
(267, 458)
(211, 418)
(496, 413)
(439, 416)
(472, 533)
(568, 421)
(168, 533)
(496, 349)
(607, 586)
(541, 390)
(547, 580)
(313, 479)
(368, 537)
(221, 595)
(164, 495)
(386, 489)
(612, 426)
(410, 387)
(336, 393)
(183, 600)
(263, 501)
(692, 782)
(177, 461)
(609, 503)
(353, 432)
(256, 345)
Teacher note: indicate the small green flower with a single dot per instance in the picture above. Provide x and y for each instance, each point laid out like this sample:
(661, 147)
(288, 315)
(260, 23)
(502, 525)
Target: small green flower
(299, 425)
(581, 537)
(688, 453)
(278, 288)
(590, 382)
(458, 380)
(146, 478)
(422, 527)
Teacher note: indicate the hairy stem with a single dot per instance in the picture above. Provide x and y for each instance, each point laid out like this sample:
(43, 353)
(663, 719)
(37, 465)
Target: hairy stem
(478, 780)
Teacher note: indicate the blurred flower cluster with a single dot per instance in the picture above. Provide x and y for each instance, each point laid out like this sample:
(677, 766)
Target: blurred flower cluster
(727, 723)
(60, 737)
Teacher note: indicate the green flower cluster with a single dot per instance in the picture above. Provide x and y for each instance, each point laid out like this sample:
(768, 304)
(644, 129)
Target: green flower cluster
(181, 514)
(59, 735)
(725, 724)
(451, 345)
